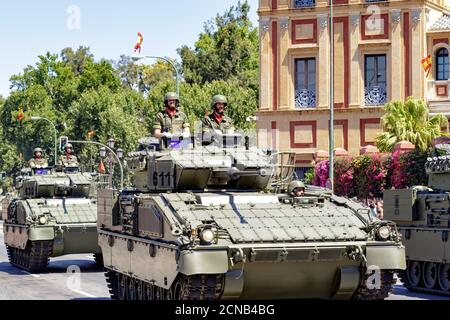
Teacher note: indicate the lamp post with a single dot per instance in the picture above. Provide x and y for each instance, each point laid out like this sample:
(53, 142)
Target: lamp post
(56, 133)
(136, 58)
(111, 155)
(331, 174)
(103, 150)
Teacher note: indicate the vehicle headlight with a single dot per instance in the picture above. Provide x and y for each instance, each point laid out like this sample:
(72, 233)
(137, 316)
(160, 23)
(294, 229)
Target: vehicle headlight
(42, 220)
(384, 232)
(207, 236)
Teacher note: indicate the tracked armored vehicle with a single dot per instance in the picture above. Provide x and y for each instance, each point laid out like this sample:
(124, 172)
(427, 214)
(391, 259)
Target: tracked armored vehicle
(212, 222)
(53, 214)
(423, 217)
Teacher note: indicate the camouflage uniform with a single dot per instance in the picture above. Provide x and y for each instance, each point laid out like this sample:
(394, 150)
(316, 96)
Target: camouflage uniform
(68, 161)
(176, 124)
(209, 124)
(38, 163)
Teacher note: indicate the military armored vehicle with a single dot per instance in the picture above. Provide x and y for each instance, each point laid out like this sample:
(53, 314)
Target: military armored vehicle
(54, 213)
(423, 217)
(203, 222)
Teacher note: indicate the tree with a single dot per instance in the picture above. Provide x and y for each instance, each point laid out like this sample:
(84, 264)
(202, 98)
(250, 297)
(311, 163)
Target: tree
(227, 49)
(409, 121)
(143, 77)
(77, 59)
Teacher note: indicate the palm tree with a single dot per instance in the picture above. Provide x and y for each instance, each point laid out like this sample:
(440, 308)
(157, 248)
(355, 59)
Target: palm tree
(409, 121)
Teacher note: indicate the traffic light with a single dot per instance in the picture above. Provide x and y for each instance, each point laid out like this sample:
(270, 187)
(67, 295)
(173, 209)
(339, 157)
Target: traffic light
(62, 142)
(2, 176)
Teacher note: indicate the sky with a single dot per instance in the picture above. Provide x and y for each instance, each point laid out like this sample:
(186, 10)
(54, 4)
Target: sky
(32, 28)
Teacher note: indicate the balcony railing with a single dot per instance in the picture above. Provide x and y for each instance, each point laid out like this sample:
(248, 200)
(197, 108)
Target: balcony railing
(376, 0)
(305, 98)
(298, 4)
(375, 96)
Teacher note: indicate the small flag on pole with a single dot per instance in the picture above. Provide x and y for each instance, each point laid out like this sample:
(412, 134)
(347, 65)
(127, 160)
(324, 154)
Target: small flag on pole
(20, 114)
(140, 40)
(101, 167)
(427, 64)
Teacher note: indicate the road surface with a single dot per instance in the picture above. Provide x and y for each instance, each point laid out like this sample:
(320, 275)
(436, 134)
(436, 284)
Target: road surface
(88, 282)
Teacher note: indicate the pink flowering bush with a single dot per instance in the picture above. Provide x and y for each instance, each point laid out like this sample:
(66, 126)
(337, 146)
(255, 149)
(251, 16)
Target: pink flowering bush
(367, 176)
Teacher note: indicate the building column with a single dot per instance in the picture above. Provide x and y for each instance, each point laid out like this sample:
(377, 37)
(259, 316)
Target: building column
(284, 87)
(396, 82)
(265, 65)
(323, 83)
(355, 72)
(417, 53)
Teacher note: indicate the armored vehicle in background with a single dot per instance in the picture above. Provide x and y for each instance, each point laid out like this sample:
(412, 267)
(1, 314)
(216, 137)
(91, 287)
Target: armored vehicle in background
(204, 222)
(53, 214)
(423, 217)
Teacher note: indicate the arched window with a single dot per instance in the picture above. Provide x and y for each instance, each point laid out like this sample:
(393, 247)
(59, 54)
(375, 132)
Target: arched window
(442, 64)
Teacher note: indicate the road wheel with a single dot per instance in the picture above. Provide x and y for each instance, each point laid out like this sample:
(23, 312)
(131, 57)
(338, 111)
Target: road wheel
(149, 291)
(413, 273)
(122, 288)
(430, 274)
(131, 289)
(140, 290)
(444, 277)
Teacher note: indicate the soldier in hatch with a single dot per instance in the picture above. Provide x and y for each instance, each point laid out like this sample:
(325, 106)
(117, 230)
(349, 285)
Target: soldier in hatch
(38, 161)
(296, 189)
(171, 121)
(217, 123)
(68, 159)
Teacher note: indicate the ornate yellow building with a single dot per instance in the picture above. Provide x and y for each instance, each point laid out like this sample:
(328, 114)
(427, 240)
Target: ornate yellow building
(378, 49)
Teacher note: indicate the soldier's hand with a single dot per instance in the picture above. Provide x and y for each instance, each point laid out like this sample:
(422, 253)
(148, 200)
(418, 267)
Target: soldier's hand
(218, 132)
(186, 135)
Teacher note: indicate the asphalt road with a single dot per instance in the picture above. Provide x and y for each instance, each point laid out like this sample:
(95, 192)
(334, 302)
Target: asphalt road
(76, 277)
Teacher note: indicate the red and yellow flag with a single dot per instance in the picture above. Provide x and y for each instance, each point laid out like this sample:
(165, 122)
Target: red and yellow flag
(140, 40)
(427, 63)
(20, 114)
(101, 168)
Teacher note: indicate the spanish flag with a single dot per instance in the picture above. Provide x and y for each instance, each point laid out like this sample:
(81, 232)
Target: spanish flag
(101, 168)
(139, 42)
(427, 64)
(20, 114)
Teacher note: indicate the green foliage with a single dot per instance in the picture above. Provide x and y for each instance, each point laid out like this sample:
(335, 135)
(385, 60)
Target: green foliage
(227, 49)
(196, 101)
(309, 176)
(409, 121)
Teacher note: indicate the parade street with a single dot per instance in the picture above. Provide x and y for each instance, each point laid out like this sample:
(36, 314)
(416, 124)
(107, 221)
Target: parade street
(60, 283)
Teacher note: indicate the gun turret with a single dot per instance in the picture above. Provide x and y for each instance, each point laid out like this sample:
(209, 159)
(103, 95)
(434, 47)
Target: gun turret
(438, 168)
(228, 166)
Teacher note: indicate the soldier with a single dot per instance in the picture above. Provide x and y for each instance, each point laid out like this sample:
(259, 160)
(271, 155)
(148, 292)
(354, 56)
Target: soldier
(296, 189)
(37, 161)
(217, 122)
(67, 159)
(171, 121)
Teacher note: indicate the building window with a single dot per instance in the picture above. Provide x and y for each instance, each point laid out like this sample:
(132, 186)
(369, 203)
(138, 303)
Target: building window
(375, 80)
(304, 3)
(305, 83)
(442, 64)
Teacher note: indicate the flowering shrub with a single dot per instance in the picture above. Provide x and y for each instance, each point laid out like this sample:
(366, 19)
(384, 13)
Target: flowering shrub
(367, 176)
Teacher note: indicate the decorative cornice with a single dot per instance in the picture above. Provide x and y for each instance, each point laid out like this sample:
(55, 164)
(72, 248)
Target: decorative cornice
(396, 15)
(264, 24)
(284, 23)
(416, 16)
(355, 19)
(323, 20)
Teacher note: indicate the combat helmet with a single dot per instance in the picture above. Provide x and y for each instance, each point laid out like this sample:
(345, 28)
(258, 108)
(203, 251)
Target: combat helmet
(219, 99)
(172, 96)
(68, 145)
(37, 150)
(294, 185)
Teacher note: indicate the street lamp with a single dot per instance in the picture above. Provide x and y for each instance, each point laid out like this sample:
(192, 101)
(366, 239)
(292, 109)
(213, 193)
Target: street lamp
(118, 155)
(56, 133)
(137, 57)
(103, 151)
(331, 174)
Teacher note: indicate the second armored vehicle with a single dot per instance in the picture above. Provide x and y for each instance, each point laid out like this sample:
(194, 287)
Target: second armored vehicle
(203, 223)
(54, 214)
(423, 217)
